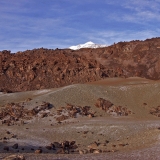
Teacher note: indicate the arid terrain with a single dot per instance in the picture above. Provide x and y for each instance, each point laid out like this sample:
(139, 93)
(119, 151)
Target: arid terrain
(114, 118)
(47, 68)
(95, 104)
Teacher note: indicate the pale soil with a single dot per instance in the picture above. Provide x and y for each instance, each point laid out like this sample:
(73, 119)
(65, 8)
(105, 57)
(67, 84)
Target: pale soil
(139, 131)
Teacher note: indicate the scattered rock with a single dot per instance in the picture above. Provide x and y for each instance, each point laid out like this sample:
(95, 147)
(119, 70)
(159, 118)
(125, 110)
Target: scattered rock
(122, 145)
(14, 136)
(60, 151)
(85, 132)
(11, 113)
(72, 111)
(72, 143)
(113, 145)
(57, 144)
(155, 111)
(8, 132)
(14, 157)
(64, 147)
(110, 108)
(84, 151)
(97, 151)
(90, 115)
(38, 151)
(61, 118)
(6, 148)
(93, 145)
(101, 145)
(28, 99)
(49, 147)
(103, 104)
(106, 141)
(15, 146)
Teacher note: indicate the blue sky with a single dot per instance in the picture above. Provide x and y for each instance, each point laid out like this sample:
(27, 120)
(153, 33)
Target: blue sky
(29, 24)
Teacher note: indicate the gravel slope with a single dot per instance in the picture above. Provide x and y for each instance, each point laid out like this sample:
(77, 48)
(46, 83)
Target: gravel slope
(139, 130)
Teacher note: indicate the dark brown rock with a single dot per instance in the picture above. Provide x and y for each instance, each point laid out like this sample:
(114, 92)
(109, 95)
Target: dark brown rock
(61, 118)
(60, 151)
(6, 148)
(8, 132)
(15, 146)
(57, 144)
(103, 104)
(66, 146)
(49, 147)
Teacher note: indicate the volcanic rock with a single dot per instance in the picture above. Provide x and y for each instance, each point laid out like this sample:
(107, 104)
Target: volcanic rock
(49, 147)
(110, 108)
(15, 146)
(64, 147)
(103, 104)
(57, 144)
(155, 111)
(6, 148)
(38, 151)
(48, 68)
(12, 112)
(43, 68)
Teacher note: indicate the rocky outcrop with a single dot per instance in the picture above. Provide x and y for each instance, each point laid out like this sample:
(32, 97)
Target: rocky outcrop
(43, 68)
(48, 68)
(112, 109)
(11, 113)
(72, 111)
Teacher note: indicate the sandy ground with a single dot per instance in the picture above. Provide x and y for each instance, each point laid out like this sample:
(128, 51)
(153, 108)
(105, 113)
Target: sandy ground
(139, 131)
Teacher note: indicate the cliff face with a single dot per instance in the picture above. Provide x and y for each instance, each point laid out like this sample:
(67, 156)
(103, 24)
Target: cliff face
(44, 68)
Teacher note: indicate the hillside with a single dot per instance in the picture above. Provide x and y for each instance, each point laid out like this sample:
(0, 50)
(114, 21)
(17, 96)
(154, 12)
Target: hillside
(48, 68)
(115, 118)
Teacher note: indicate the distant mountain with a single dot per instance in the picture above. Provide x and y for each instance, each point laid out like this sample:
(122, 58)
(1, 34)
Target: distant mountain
(87, 45)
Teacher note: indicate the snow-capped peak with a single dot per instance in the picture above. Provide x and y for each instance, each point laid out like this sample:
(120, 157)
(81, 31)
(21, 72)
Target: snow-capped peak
(87, 45)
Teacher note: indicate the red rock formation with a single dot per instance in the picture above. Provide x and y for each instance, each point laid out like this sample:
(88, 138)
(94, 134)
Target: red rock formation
(43, 68)
(46, 68)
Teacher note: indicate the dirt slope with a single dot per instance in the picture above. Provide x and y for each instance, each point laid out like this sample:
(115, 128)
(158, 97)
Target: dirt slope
(117, 137)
